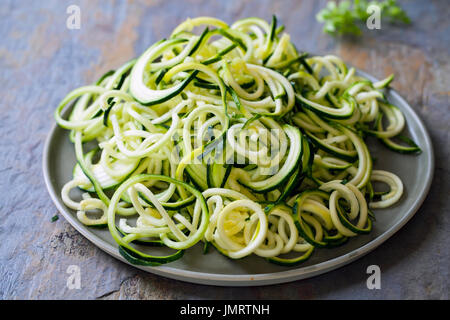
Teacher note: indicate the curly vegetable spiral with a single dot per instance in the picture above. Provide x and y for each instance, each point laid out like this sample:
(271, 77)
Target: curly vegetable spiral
(230, 137)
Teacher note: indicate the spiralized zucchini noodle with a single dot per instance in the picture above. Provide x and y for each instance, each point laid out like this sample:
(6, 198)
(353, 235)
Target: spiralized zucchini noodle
(229, 136)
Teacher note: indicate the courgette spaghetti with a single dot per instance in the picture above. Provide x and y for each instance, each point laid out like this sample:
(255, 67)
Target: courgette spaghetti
(227, 135)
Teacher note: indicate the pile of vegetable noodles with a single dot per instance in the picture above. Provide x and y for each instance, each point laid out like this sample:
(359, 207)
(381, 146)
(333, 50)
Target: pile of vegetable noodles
(229, 136)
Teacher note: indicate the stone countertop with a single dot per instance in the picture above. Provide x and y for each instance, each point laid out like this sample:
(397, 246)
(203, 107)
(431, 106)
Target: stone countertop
(41, 60)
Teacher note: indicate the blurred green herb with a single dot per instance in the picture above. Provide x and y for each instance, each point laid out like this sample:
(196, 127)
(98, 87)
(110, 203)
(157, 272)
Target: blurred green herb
(341, 18)
(54, 218)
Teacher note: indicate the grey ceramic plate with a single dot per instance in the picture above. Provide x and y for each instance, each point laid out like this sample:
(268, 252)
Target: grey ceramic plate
(416, 171)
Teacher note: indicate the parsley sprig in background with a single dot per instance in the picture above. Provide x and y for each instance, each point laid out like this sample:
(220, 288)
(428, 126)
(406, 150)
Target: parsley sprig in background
(343, 17)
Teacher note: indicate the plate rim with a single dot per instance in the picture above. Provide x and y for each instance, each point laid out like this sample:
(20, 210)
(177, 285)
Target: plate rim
(263, 278)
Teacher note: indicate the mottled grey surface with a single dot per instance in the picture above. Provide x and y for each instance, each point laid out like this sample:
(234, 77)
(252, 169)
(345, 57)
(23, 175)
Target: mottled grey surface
(41, 60)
